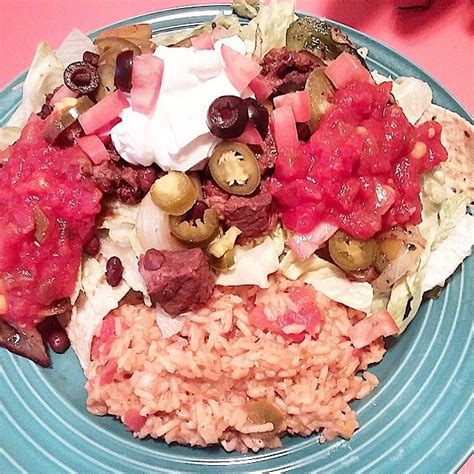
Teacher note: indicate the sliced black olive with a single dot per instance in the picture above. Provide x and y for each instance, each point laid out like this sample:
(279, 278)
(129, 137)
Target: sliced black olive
(234, 168)
(258, 115)
(123, 71)
(227, 117)
(81, 77)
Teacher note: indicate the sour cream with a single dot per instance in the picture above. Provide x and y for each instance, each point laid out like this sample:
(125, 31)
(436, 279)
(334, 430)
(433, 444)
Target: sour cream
(175, 135)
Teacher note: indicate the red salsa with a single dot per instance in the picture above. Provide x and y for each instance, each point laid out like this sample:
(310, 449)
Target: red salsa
(47, 212)
(362, 167)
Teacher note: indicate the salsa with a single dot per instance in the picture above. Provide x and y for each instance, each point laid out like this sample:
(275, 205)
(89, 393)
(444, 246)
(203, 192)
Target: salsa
(361, 168)
(47, 213)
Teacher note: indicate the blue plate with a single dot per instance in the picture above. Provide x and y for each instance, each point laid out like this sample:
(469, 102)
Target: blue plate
(419, 419)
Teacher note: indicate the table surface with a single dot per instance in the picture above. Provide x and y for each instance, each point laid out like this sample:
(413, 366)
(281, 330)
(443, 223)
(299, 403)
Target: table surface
(439, 39)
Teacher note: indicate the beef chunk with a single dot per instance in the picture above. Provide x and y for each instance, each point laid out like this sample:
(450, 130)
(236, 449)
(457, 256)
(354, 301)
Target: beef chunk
(178, 280)
(251, 214)
(287, 71)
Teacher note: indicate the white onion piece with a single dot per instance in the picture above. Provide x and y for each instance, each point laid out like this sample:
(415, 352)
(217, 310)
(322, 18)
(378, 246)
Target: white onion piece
(398, 267)
(169, 326)
(152, 228)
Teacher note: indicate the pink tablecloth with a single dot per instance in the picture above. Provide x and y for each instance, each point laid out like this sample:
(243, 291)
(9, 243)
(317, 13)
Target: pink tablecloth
(439, 39)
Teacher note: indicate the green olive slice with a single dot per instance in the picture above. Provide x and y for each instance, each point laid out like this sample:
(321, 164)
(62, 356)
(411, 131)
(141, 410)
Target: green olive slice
(174, 193)
(320, 89)
(234, 168)
(351, 254)
(198, 233)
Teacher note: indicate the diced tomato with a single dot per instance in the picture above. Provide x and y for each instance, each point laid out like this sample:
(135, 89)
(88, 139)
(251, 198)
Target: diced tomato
(346, 68)
(304, 245)
(108, 371)
(292, 325)
(299, 103)
(284, 130)
(93, 147)
(240, 69)
(62, 93)
(250, 136)
(102, 114)
(202, 41)
(385, 199)
(147, 74)
(371, 328)
(261, 88)
(106, 336)
(133, 420)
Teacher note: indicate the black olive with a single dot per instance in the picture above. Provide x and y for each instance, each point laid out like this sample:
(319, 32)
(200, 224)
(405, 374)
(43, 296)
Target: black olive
(258, 115)
(123, 71)
(81, 77)
(227, 117)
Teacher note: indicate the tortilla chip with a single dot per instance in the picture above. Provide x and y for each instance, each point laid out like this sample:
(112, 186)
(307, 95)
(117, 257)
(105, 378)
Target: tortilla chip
(458, 139)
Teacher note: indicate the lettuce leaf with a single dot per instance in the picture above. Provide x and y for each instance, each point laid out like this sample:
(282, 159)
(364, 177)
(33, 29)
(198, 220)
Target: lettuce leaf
(329, 280)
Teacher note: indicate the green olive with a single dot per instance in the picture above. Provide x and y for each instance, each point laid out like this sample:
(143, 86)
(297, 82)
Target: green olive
(320, 89)
(263, 411)
(199, 233)
(174, 193)
(235, 168)
(388, 250)
(351, 254)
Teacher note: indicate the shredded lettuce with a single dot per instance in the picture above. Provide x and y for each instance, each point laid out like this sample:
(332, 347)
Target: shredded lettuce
(44, 75)
(442, 211)
(73, 47)
(246, 8)
(228, 26)
(329, 280)
(253, 265)
(268, 29)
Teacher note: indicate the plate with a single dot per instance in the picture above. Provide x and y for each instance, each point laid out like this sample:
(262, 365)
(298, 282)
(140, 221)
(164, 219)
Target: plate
(418, 419)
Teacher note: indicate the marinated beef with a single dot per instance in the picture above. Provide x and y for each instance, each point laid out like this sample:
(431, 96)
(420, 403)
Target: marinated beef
(251, 214)
(214, 197)
(286, 71)
(117, 178)
(179, 280)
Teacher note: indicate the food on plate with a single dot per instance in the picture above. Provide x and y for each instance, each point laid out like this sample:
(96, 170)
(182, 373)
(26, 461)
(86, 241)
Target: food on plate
(226, 222)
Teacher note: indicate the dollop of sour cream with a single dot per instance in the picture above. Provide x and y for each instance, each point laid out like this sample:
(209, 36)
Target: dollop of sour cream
(175, 135)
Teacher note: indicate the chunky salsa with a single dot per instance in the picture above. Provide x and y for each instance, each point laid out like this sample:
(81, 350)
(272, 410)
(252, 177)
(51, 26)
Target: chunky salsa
(47, 212)
(362, 167)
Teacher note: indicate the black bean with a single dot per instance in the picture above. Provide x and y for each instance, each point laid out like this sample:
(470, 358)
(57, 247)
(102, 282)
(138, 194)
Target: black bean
(92, 247)
(58, 340)
(91, 58)
(153, 260)
(114, 271)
